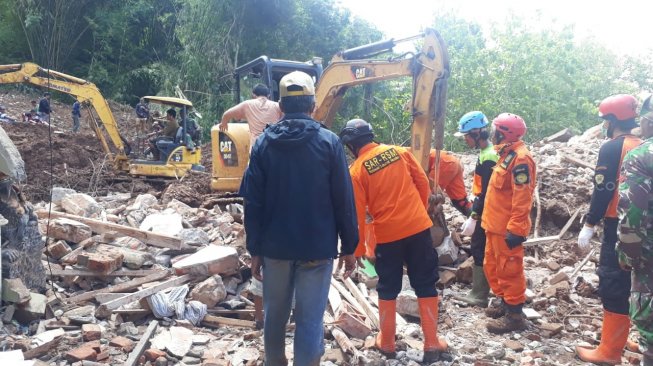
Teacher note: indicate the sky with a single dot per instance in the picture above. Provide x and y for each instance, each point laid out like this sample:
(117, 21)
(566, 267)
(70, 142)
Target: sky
(623, 25)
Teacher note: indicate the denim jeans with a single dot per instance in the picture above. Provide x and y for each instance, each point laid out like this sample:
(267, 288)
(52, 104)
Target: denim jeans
(310, 280)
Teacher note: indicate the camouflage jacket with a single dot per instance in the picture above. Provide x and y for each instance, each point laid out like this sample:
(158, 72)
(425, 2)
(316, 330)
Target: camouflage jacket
(635, 247)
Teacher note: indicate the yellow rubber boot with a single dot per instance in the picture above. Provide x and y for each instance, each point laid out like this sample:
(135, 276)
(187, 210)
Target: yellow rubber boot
(385, 339)
(428, 313)
(613, 339)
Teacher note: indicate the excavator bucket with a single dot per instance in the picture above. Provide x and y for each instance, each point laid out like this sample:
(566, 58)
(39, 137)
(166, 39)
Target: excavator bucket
(11, 164)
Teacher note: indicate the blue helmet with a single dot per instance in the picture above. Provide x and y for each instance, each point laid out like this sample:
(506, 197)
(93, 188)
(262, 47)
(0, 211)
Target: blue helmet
(470, 121)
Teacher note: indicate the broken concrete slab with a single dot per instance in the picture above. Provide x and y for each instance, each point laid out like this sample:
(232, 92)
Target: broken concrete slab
(194, 237)
(69, 230)
(14, 291)
(210, 291)
(34, 309)
(8, 315)
(59, 193)
(181, 341)
(214, 259)
(162, 223)
(143, 202)
(58, 249)
(81, 204)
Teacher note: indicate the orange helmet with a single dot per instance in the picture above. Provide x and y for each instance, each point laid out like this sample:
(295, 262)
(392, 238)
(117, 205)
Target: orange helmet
(620, 107)
(510, 125)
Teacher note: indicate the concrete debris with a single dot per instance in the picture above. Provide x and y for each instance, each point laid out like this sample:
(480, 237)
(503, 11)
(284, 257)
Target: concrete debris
(14, 291)
(464, 273)
(143, 202)
(194, 237)
(162, 223)
(59, 193)
(213, 259)
(407, 303)
(69, 230)
(210, 291)
(81, 204)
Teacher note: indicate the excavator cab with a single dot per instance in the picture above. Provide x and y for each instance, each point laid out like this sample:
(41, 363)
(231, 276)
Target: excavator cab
(178, 154)
(230, 149)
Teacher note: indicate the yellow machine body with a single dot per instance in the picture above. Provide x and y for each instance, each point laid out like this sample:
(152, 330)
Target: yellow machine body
(230, 154)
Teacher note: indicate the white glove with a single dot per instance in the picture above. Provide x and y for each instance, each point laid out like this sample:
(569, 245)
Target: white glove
(584, 238)
(468, 227)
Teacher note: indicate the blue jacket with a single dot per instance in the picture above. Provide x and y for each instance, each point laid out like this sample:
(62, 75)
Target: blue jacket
(76, 111)
(298, 193)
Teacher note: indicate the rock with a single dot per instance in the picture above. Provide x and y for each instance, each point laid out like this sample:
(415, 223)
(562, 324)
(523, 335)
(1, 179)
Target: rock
(152, 354)
(123, 343)
(558, 277)
(103, 261)
(91, 332)
(69, 230)
(464, 271)
(58, 249)
(191, 360)
(181, 208)
(128, 329)
(181, 341)
(47, 336)
(162, 223)
(81, 204)
(334, 355)
(551, 329)
(34, 309)
(495, 353)
(513, 345)
(82, 353)
(447, 252)
(194, 237)
(132, 259)
(407, 303)
(14, 291)
(553, 266)
(59, 193)
(8, 315)
(143, 202)
(210, 291)
(213, 259)
(161, 361)
(447, 278)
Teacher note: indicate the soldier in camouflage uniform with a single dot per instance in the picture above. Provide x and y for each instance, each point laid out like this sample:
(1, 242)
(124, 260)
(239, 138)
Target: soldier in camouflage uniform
(635, 247)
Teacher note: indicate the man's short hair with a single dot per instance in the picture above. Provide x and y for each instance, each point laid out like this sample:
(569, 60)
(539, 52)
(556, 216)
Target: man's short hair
(260, 90)
(171, 112)
(298, 104)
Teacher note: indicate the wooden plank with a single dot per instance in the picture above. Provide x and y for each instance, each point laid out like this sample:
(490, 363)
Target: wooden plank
(334, 299)
(106, 297)
(104, 310)
(101, 227)
(142, 345)
(118, 273)
(569, 223)
(578, 162)
(218, 321)
(369, 309)
(231, 312)
(126, 286)
(347, 295)
(534, 241)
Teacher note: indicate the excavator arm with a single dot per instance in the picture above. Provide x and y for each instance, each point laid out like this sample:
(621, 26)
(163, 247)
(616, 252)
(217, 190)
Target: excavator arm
(429, 69)
(84, 91)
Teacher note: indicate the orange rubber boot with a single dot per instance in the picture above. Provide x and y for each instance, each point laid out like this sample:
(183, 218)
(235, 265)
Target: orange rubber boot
(385, 340)
(613, 339)
(428, 313)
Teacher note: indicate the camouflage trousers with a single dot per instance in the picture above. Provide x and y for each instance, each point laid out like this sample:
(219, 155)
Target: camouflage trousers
(641, 314)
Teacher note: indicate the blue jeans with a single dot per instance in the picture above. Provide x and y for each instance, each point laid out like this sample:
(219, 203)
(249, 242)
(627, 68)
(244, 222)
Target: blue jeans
(310, 280)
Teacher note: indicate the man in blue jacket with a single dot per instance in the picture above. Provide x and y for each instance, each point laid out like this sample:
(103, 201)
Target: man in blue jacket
(298, 201)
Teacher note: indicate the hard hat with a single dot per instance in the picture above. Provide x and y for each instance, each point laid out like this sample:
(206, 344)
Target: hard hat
(647, 105)
(471, 121)
(619, 108)
(510, 125)
(296, 84)
(355, 129)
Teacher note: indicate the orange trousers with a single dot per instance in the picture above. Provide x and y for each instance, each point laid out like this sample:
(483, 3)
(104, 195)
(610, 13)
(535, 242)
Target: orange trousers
(504, 269)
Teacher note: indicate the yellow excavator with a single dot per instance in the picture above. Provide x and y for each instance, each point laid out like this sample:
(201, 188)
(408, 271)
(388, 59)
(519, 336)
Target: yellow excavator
(179, 156)
(429, 69)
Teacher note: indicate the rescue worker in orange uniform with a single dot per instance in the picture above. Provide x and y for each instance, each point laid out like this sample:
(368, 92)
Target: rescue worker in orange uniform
(392, 187)
(619, 113)
(507, 223)
(450, 180)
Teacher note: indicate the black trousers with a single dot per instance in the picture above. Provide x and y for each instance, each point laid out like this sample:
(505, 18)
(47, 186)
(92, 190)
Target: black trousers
(478, 244)
(614, 283)
(421, 260)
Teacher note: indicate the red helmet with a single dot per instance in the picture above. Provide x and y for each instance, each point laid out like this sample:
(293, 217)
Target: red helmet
(510, 125)
(620, 107)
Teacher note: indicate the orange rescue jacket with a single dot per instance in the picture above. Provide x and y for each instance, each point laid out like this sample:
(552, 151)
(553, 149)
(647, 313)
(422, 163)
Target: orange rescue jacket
(509, 195)
(390, 185)
(450, 175)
